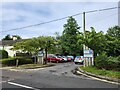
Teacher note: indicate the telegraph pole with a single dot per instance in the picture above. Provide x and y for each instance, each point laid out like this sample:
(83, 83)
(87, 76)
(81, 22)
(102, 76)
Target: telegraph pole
(84, 47)
(87, 59)
(84, 24)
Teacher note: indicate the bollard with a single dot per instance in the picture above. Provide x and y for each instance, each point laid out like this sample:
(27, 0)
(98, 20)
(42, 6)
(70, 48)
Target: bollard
(17, 62)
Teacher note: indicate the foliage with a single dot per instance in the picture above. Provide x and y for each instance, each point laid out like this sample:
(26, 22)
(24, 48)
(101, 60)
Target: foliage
(69, 38)
(98, 42)
(114, 32)
(3, 54)
(33, 45)
(108, 73)
(12, 61)
(57, 36)
(58, 42)
(108, 63)
(101, 61)
(106, 46)
(47, 43)
(113, 41)
(18, 37)
(95, 41)
(114, 63)
(7, 37)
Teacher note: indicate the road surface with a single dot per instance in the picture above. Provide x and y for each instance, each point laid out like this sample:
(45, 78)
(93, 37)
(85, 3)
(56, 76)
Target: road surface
(58, 76)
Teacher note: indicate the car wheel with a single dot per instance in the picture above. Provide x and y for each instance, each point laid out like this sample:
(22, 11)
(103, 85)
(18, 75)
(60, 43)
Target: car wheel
(75, 62)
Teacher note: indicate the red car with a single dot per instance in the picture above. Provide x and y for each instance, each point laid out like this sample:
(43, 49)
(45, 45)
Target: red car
(54, 58)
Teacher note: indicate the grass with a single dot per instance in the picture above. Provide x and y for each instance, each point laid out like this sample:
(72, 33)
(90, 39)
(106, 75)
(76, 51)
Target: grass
(32, 66)
(108, 73)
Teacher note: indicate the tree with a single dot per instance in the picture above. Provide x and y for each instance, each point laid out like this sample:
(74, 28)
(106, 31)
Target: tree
(95, 41)
(57, 35)
(3, 54)
(113, 41)
(58, 48)
(69, 38)
(114, 32)
(7, 37)
(35, 44)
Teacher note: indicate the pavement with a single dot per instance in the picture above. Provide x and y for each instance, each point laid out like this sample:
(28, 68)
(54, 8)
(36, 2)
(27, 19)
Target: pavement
(58, 76)
(79, 71)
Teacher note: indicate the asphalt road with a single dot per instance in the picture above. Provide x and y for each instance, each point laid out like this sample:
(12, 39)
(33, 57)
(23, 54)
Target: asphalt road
(59, 76)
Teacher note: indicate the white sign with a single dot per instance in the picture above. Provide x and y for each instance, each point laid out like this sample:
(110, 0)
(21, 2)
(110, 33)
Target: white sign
(40, 53)
(88, 53)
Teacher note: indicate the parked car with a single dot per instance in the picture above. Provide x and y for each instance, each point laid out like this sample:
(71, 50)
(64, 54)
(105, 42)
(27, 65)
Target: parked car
(79, 59)
(54, 58)
(70, 58)
(65, 58)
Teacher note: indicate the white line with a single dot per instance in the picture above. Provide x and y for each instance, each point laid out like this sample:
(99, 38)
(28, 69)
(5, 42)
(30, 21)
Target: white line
(3, 82)
(16, 84)
(6, 81)
(98, 78)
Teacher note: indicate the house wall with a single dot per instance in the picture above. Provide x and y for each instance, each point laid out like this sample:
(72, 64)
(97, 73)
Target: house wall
(8, 49)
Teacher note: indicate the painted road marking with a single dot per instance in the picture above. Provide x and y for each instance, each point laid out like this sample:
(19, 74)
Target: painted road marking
(3, 82)
(24, 86)
(26, 70)
(6, 81)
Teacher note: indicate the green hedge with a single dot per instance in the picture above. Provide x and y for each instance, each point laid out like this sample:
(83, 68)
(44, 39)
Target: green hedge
(108, 63)
(12, 61)
(3, 54)
(114, 63)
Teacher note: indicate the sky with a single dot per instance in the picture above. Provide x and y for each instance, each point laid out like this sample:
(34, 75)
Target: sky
(19, 14)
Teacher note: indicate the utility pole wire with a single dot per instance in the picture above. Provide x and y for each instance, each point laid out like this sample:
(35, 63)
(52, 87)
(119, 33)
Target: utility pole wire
(58, 19)
(101, 9)
(92, 22)
(102, 19)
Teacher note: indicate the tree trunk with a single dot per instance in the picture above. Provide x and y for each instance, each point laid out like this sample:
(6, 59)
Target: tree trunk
(46, 56)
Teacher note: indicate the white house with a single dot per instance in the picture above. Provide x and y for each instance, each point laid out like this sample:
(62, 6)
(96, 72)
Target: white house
(8, 45)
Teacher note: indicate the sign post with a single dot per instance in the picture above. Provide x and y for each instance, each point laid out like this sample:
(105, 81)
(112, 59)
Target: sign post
(88, 57)
(40, 56)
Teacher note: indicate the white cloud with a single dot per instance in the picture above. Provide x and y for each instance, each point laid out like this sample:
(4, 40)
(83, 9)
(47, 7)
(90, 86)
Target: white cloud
(17, 15)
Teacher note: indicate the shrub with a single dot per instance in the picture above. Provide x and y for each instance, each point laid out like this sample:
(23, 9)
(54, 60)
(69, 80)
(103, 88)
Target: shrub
(108, 63)
(114, 63)
(3, 54)
(101, 61)
(12, 61)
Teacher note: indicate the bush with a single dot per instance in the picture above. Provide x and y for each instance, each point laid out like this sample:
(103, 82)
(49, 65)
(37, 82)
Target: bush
(114, 63)
(12, 61)
(108, 63)
(101, 61)
(3, 54)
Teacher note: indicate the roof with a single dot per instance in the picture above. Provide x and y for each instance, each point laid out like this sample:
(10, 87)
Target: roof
(10, 42)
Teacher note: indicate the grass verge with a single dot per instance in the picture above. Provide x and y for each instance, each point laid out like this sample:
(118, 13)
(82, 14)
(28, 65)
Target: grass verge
(108, 73)
(33, 66)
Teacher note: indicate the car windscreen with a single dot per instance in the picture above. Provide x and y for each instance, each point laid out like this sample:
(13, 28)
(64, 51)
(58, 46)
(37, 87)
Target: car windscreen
(59, 56)
(77, 57)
